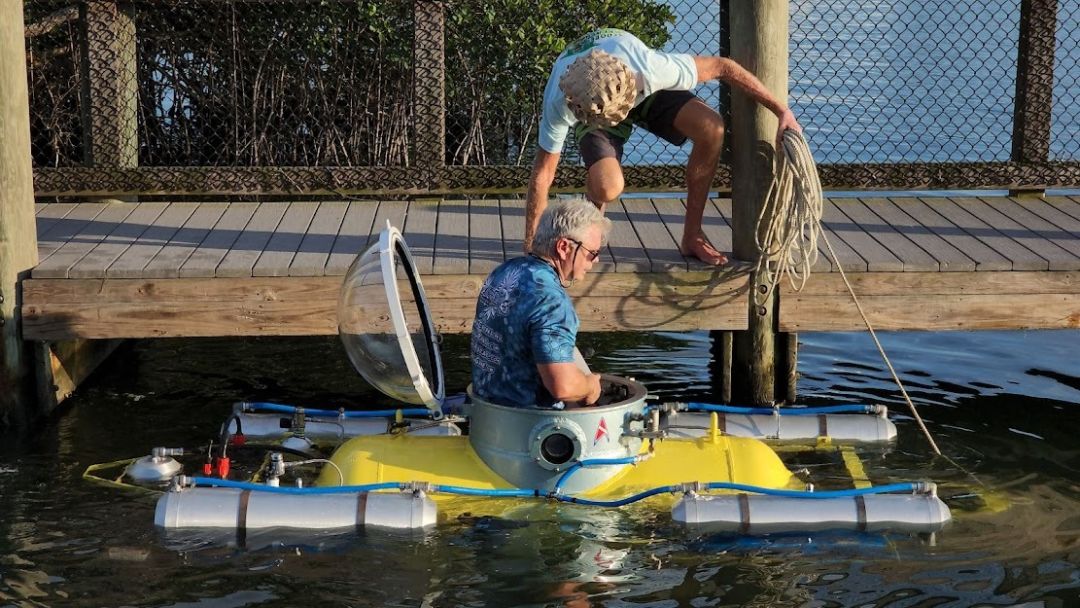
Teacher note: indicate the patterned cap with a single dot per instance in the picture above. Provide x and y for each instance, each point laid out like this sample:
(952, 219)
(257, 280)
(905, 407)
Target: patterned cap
(599, 89)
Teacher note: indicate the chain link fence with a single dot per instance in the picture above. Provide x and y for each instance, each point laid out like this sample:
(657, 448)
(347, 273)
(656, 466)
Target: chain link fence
(905, 81)
(309, 96)
(54, 58)
(1065, 143)
(214, 83)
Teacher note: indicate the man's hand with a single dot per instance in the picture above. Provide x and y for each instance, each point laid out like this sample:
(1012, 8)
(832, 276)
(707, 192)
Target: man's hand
(594, 389)
(787, 121)
(567, 383)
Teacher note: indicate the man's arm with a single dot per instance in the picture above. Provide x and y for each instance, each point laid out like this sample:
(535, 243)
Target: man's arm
(727, 70)
(567, 383)
(543, 174)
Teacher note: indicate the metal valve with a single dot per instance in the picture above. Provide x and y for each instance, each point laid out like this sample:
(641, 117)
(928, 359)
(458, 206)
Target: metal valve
(276, 469)
(157, 467)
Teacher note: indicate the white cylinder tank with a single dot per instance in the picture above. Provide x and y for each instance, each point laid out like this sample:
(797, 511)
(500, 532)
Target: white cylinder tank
(843, 427)
(275, 426)
(246, 509)
(747, 513)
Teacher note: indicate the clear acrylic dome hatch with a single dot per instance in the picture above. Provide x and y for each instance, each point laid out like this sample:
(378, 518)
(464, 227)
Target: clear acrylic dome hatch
(385, 324)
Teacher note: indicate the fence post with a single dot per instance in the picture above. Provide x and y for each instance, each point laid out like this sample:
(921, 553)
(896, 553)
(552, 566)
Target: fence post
(110, 88)
(18, 231)
(759, 42)
(429, 89)
(1034, 85)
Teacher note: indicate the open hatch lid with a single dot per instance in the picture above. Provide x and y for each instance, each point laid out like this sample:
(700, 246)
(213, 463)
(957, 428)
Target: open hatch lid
(385, 324)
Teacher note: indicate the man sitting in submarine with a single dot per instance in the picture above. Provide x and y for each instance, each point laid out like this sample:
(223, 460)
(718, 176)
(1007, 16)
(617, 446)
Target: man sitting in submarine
(525, 329)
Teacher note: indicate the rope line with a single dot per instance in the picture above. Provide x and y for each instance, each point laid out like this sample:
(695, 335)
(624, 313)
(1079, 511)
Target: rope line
(884, 357)
(788, 244)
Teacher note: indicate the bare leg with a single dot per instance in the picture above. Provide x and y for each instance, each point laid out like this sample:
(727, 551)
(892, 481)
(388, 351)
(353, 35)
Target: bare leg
(605, 182)
(705, 128)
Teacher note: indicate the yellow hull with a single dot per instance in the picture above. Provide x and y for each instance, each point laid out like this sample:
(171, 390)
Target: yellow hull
(451, 461)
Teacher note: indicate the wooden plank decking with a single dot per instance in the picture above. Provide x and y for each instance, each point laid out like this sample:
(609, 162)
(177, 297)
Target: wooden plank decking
(119, 270)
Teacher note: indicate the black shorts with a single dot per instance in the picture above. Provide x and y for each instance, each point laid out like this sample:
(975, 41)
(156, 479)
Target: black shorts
(656, 115)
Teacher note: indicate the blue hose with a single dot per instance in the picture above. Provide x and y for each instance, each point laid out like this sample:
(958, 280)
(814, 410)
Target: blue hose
(497, 492)
(787, 411)
(371, 487)
(886, 489)
(246, 485)
(595, 462)
(617, 503)
(522, 493)
(290, 409)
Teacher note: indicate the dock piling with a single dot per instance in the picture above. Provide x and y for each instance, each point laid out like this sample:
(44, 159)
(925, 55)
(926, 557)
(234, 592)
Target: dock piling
(18, 234)
(759, 42)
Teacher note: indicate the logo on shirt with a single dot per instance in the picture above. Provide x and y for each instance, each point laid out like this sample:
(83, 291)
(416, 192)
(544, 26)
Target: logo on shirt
(590, 40)
(601, 433)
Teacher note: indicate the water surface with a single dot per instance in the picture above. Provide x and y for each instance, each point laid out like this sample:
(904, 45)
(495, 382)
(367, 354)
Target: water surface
(1004, 407)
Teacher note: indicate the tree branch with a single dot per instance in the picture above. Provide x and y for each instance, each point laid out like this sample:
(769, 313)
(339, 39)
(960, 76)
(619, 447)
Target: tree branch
(51, 22)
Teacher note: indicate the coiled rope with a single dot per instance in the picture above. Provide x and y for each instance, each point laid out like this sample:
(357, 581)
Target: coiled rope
(793, 206)
(788, 241)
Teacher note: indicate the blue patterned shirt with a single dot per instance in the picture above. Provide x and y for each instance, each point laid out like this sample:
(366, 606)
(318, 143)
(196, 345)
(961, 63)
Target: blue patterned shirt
(523, 317)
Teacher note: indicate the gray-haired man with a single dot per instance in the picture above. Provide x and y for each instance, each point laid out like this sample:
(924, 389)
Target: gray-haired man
(525, 330)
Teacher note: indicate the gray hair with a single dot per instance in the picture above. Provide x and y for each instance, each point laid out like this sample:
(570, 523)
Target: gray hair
(569, 219)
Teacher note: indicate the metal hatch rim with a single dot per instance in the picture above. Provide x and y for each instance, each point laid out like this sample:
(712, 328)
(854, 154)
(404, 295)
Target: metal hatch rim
(390, 242)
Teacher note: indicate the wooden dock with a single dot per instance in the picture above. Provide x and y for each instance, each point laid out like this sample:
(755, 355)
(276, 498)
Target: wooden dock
(157, 269)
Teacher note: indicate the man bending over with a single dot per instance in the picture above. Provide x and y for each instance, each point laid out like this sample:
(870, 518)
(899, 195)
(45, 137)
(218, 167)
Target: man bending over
(607, 82)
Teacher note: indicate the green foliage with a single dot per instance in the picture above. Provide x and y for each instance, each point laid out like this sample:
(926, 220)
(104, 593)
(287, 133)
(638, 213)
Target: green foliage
(260, 83)
(319, 82)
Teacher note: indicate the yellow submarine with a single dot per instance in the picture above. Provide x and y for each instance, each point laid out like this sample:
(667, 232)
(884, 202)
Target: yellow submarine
(710, 465)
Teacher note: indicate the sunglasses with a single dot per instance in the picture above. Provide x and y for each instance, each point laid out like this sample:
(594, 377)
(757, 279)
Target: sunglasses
(592, 253)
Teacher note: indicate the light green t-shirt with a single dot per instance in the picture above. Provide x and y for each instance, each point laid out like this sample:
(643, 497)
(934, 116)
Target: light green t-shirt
(654, 71)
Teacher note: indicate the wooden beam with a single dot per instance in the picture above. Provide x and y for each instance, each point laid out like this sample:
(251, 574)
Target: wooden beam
(62, 309)
(720, 365)
(934, 301)
(62, 367)
(18, 237)
(682, 285)
(319, 317)
(787, 376)
(912, 284)
(759, 42)
(175, 320)
(932, 312)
